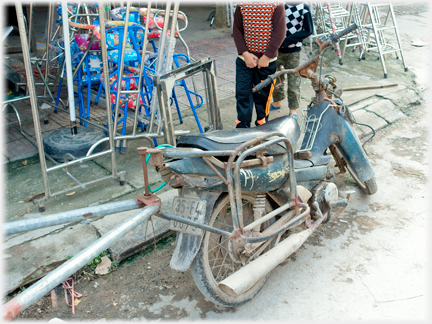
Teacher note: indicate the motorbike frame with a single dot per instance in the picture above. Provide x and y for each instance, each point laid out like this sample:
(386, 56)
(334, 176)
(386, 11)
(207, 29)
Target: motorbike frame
(306, 70)
(232, 180)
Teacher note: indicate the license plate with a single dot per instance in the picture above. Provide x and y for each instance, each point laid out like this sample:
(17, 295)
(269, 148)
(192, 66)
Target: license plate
(189, 208)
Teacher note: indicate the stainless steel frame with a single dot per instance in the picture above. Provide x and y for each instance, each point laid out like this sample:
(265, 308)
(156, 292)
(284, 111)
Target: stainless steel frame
(38, 133)
(164, 84)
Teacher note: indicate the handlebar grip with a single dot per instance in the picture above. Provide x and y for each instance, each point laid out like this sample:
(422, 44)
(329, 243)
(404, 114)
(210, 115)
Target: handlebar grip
(262, 84)
(346, 31)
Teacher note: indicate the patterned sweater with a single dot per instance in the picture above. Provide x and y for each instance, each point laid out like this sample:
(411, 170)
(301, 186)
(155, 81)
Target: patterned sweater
(298, 26)
(259, 28)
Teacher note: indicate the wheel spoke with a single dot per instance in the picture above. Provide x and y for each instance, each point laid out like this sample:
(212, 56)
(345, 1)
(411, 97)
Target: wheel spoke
(222, 263)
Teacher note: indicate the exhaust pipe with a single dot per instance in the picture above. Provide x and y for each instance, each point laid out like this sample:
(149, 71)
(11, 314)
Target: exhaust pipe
(242, 280)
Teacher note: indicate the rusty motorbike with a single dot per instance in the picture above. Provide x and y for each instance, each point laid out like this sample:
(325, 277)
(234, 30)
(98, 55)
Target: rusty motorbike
(247, 200)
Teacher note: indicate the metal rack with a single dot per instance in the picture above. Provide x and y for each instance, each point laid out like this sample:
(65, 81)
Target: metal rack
(163, 128)
(379, 23)
(35, 113)
(323, 14)
(359, 37)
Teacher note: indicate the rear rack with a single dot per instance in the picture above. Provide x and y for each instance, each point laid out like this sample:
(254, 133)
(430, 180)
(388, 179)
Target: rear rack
(232, 180)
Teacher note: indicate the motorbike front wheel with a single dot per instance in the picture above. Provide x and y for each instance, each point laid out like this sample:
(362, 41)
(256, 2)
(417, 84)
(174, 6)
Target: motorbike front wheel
(369, 187)
(213, 262)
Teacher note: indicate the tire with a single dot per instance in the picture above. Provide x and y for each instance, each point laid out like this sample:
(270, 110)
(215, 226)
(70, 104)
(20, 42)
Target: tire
(369, 187)
(61, 141)
(204, 273)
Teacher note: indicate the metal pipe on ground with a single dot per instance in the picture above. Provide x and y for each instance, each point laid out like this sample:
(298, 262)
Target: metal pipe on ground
(50, 281)
(69, 216)
(371, 87)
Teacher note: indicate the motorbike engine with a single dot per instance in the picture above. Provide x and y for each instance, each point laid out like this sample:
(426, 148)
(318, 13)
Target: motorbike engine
(325, 193)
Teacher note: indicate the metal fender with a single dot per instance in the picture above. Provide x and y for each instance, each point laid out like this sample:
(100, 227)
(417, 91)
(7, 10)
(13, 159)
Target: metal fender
(187, 246)
(353, 151)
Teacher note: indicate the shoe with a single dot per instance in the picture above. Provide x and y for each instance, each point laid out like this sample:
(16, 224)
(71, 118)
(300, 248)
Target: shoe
(273, 107)
(295, 116)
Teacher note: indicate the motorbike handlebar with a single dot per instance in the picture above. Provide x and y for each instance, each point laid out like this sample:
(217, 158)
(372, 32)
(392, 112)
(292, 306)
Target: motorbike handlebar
(346, 31)
(334, 38)
(263, 84)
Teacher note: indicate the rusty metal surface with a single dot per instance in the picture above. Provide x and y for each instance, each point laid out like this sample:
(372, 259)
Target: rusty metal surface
(206, 160)
(292, 223)
(148, 200)
(156, 157)
(205, 227)
(144, 151)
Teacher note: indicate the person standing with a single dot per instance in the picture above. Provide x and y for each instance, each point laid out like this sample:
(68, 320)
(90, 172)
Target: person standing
(258, 32)
(298, 26)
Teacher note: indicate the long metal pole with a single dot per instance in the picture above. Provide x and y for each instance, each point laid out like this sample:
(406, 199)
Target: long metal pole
(50, 14)
(70, 216)
(145, 42)
(50, 281)
(32, 94)
(120, 73)
(160, 60)
(107, 87)
(67, 54)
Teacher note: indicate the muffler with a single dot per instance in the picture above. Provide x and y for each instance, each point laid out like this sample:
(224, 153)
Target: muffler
(242, 280)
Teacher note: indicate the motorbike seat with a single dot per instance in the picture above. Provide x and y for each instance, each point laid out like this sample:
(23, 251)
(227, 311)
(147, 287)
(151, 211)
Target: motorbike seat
(229, 139)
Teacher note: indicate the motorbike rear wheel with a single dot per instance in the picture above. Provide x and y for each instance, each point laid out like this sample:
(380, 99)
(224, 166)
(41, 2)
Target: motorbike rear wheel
(369, 187)
(213, 262)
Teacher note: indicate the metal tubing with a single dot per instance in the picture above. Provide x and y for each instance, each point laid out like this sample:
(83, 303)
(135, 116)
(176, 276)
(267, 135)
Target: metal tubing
(170, 53)
(268, 216)
(239, 161)
(206, 160)
(86, 158)
(25, 225)
(160, 60)
(197, 154)
(86, 184)
(54, 278)
(145, 42)
(30, 25)
(120, 72)
(47, 47)
(107, 87)
(67, 54)
(85, 54)
(228, 171)
(205, 227)
(243, 279)
(291, 223)
(32, 94)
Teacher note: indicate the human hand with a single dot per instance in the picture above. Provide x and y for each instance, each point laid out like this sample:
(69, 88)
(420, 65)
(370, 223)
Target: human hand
(250, 60)
(263, 62)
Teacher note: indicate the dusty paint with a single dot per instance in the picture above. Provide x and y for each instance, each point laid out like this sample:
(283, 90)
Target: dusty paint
(277, 174)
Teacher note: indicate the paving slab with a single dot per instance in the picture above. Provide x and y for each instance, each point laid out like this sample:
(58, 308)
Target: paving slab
(386, 110)
(403, 98)
(143, 235)
(364, 103)
(368, 118)
(31, 260)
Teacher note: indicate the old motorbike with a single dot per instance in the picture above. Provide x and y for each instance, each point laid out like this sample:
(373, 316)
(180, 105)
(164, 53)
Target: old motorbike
(247, 200)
